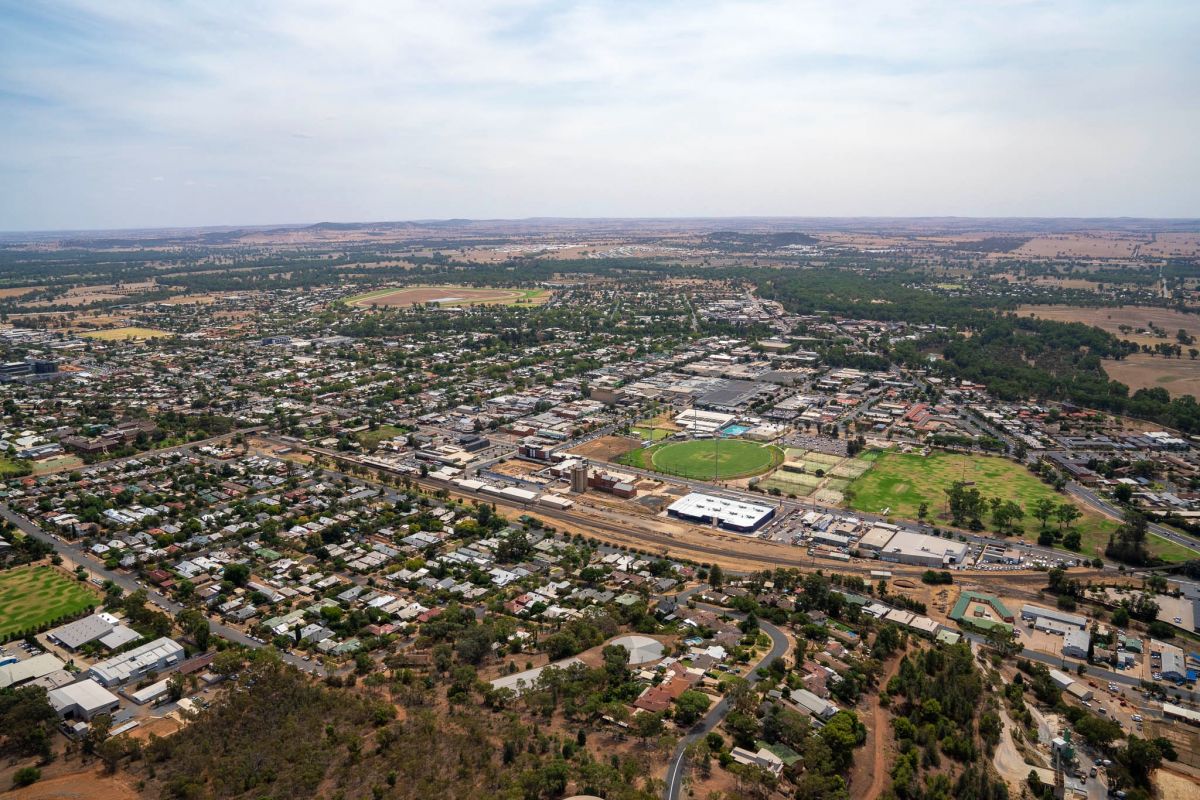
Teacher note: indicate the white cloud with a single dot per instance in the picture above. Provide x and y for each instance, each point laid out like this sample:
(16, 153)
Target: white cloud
(295, 111)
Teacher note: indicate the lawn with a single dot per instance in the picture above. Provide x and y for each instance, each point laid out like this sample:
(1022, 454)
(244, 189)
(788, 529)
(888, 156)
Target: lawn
(651, 434)
(707, 458)
(371, 439)
(32, 596)
(900, 482)
(10, 468)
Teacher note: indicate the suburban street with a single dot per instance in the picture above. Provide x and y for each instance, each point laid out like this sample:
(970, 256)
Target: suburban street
(78, 556)
(779, 647)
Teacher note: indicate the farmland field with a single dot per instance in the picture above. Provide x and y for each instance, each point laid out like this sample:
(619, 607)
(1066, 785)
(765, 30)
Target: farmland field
(707, 459)
(1112, 318)
(447, 296)
(30, 596)
(133, 332)
(900, 482)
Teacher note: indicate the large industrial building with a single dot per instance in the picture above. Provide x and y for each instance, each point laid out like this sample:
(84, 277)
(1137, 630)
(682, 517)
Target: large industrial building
(732, 515)
(83, 700)
(153, 657)
(103, 628)
(919, 549)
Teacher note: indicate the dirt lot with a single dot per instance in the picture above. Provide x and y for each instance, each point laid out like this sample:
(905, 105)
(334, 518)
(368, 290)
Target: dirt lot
(444, 295)
(1178, 376)
(87, 784)
(606, 448)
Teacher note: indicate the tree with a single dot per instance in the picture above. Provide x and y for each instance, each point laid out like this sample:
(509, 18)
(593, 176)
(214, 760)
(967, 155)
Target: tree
(1043, 509)
(647, 726)
(195, 624)
(237, 574)
(689, 707)
(27, 722)
(716, 576)
(228, 662)
(175, 686)
(1067, 513)
(842, 733)
(26, 776)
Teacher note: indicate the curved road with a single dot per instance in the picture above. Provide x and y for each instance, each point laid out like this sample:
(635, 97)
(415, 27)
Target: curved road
(779, 646)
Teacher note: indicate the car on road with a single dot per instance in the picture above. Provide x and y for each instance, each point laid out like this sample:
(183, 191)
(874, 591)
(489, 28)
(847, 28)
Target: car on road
(1136, 717)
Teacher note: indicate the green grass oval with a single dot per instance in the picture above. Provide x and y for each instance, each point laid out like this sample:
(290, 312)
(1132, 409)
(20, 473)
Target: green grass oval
(709, 459)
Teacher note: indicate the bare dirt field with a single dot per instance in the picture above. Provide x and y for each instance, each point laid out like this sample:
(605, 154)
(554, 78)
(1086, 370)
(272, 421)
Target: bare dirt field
(17, 291)
(1174, 786)
(606, 448)
(88, 784)
(1173, 244)
(190, 299)
(1080, 245)
(446, 296)
(1179, 376)
(1111, 319)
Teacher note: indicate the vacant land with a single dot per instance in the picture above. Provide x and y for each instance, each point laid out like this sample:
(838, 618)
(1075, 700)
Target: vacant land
(31, 596)
(121, 334)
(718, 459)
(1178, 376)
(606, 448)
(448, 296)
(1130, 317)
(371, 439)
(900, 482)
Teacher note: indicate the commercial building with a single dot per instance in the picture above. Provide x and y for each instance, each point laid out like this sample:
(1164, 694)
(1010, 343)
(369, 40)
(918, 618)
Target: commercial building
(153, 657)
(1079, 691)
(919, 549)
(732, 515)
(30, 669)
(1032, 614)
(695, 421)
(1172, 711)
(877, 538)
(83, 700)
(1075, 643)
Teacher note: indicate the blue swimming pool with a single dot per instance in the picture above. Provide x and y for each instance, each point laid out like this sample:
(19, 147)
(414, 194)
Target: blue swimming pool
(734, 430)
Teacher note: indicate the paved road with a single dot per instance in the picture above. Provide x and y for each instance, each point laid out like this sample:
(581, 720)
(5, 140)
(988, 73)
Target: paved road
(1093, 670)
(79, 556)
(1098, 503)
(779, 646)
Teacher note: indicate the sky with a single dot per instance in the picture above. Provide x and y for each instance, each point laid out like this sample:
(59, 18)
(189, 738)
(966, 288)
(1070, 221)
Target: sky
(124, 113)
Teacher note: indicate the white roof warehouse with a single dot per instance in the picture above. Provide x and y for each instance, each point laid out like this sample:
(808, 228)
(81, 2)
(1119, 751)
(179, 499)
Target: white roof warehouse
(733, 515)
(152, 657)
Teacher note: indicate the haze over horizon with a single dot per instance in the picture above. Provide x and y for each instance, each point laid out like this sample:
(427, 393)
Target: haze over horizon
(133, 114)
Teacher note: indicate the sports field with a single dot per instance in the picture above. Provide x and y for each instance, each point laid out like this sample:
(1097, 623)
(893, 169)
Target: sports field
(30, 596)
(450, 296)
(120, 334)
(900, 482)
(707, 458)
